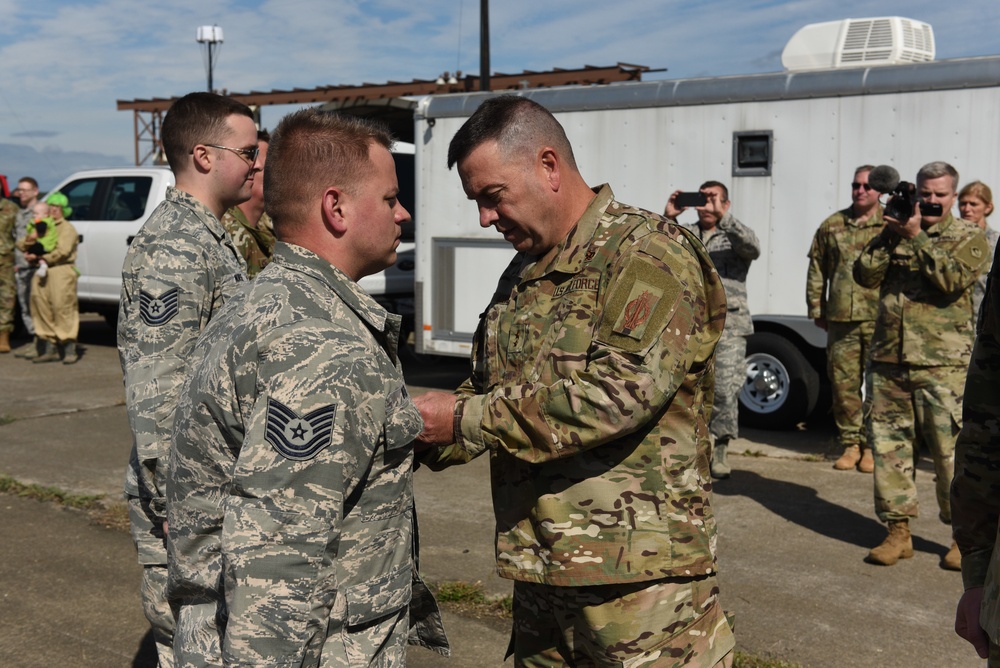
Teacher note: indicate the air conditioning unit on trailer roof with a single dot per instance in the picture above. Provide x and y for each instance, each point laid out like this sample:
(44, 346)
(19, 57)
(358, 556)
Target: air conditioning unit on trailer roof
(891, 40)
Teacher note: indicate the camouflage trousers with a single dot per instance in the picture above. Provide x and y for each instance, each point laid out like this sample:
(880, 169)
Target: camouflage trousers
(8, 296)
(153, 558)
(730, 375)
(621, 626)
(912, 406)
(23, 279)
(847, 348)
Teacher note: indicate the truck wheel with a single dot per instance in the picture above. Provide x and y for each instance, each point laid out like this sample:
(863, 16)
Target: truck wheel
(781, 387)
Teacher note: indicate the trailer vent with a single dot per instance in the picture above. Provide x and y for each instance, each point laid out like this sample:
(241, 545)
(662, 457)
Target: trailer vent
(859, 43)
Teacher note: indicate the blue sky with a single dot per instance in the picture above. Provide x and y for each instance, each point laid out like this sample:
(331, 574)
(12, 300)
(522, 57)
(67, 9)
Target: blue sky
(67, 62)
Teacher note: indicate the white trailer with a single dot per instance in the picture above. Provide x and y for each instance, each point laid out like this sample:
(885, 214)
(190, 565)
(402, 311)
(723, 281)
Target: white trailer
(786, 144)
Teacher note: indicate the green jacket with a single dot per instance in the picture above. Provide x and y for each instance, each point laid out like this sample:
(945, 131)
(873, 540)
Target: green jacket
(592, 387)
(831, 291)
(925, 292)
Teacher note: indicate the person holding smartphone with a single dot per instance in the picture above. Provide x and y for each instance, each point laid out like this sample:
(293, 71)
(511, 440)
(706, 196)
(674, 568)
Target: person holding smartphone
(732, 247)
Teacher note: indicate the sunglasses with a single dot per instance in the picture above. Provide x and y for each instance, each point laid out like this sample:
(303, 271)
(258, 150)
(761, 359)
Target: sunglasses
(855, 185)
(248, 153)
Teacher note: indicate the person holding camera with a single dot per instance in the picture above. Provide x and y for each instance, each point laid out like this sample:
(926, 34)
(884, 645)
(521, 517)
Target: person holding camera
(732, 247)
(846, 311)
(925, 263)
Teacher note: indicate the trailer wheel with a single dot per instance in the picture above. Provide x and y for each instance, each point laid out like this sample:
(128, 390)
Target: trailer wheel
(781, 387)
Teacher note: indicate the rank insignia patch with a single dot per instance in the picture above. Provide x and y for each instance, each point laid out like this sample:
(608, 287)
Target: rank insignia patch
(156, 311)
(298, 438)
(639, 307)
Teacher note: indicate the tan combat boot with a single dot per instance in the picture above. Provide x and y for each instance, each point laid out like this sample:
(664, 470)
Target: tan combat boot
(897, 545)
(952, 561)
(848, 460)
(4, 342)
(867, 463)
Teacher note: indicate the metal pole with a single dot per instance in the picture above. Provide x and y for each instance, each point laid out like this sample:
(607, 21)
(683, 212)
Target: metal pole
(210, 45)
(484, 44)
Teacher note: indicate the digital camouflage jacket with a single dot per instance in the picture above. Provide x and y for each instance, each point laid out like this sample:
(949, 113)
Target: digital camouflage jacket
(179, 271)
(289, 489)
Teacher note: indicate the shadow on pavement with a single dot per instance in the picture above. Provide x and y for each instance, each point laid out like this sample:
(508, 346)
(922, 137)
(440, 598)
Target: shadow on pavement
(145, 657)
(801, 504)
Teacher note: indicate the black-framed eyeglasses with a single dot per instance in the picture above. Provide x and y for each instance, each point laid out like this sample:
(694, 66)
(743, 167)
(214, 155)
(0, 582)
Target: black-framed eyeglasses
(855, 185)
(248, 153)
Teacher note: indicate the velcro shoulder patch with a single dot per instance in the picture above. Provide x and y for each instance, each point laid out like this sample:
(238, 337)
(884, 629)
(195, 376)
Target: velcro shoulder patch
(295, 437)
(639, 305)
(974, 252)
(158, 310)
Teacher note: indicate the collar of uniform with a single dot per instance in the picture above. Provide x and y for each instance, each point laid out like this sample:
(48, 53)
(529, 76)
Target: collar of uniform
(939, 227)
(303, 260)
(237, 214)
(570, 254)
(874, 221)
(202, 211)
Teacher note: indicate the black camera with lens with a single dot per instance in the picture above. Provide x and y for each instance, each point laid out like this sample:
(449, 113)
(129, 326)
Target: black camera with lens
(902, 200)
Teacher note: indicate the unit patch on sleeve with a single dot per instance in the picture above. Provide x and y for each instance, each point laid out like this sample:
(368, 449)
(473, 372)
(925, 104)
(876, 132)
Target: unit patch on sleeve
(298, 438)
(156, 311)
(639, 307)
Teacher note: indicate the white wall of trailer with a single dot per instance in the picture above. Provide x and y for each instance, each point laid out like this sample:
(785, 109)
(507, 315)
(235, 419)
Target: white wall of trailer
(646, 152)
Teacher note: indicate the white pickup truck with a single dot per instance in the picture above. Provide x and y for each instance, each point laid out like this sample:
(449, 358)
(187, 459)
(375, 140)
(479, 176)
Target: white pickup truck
(111, 205)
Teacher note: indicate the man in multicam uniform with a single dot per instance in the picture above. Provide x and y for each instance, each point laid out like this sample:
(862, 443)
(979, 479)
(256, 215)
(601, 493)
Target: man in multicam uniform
(179, 271)
(8, 287)
(926, 269)
(27, 191)
(289, 490)
(591, 389)
(732, 247)
(847, 312)
(975, 491)
(247, 223)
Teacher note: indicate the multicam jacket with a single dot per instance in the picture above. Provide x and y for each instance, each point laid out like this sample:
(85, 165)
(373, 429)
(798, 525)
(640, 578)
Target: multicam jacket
(290, 479)
(592, 388)
(831, 291)
(732, 247)
(255, 244)
(975, 490)
(179, 270)
(8, 216)
(925, 292)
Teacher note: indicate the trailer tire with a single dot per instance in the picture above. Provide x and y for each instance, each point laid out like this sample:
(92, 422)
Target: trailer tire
(781, 387)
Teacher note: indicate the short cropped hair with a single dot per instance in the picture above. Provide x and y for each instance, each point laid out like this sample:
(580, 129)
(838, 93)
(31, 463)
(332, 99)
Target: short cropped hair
(935, 170)
(980, 190)
(263, 135)
(864, 168)
(198, 118)
(518, 126)
(716, 184)
(29, 180)
(311, 150)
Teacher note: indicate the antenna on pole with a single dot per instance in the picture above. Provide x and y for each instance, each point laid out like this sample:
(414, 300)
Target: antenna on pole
(211, 37)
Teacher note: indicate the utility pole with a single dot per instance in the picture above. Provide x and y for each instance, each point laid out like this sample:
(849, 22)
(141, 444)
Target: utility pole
(484, 44)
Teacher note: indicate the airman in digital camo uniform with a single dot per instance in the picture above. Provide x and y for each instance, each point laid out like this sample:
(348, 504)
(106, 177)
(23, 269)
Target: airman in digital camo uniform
(179, 271)
(289, 488)
(926, 268)
(591, 390)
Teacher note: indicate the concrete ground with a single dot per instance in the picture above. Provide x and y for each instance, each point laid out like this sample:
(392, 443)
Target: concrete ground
(793, 535)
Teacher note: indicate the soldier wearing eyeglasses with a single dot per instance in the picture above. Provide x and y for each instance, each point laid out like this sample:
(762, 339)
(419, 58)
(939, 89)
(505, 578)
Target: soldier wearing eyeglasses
(179, 271)
(846, 311)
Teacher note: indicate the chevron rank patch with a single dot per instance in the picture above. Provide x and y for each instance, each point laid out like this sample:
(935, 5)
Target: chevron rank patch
(298, 438)
(156, 311)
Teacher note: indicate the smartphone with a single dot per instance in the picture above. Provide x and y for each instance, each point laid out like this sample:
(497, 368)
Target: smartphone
(684, 200)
